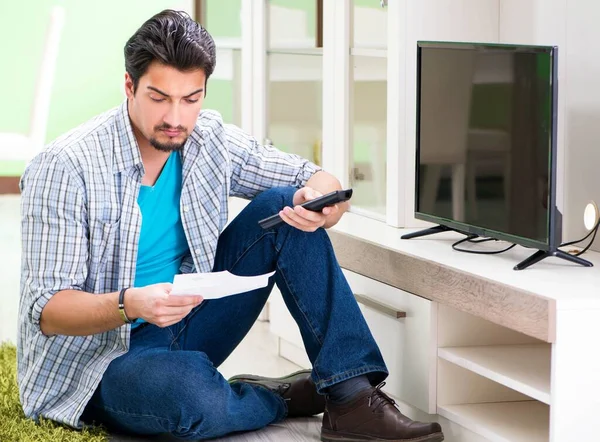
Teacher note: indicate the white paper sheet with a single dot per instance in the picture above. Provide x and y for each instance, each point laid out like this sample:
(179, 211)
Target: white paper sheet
(217, 284)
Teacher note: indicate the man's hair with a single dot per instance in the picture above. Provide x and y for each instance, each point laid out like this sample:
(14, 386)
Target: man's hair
(171, 38)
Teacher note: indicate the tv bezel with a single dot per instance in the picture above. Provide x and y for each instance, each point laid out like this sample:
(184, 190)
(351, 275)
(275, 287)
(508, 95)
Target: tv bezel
(554, 225)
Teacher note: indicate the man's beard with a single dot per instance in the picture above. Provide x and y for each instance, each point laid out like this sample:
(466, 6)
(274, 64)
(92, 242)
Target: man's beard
(169, 146)
(166, 147)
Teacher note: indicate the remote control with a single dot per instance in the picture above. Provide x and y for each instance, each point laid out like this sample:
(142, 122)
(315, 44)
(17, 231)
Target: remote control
(315, 205)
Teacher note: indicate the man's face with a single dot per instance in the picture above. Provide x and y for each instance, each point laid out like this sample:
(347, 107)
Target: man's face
(166, 104)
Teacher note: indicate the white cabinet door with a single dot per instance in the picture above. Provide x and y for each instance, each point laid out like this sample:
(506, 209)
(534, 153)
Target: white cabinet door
(408, 344)
(282, 324)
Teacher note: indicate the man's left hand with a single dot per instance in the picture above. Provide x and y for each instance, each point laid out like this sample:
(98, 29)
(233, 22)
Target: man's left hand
(307, 220)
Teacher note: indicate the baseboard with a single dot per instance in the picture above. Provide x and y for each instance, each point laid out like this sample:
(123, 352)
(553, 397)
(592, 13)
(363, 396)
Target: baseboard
(9, 185)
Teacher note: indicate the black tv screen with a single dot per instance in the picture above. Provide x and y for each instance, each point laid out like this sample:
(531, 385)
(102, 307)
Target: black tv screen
(486, 140)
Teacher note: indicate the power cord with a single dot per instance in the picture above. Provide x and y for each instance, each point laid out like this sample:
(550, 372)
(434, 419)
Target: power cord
(592, 232)
(472, 239)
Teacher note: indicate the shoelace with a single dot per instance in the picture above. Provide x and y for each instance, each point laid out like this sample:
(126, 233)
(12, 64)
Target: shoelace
(282, 388)
(384, 399)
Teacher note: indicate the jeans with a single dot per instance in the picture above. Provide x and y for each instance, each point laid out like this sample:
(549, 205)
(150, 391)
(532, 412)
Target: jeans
(168, 382)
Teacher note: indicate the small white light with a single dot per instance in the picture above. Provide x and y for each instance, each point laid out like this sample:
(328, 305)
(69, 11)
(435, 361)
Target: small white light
(590, 215)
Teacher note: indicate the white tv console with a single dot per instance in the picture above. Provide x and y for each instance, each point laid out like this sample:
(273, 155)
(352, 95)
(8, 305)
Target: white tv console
(492, 353)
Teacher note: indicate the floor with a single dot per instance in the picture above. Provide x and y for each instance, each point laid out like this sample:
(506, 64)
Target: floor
(256, 354)
(10, 263)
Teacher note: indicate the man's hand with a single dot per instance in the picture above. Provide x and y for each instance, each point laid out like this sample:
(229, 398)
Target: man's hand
(154, 304)
(303, 219)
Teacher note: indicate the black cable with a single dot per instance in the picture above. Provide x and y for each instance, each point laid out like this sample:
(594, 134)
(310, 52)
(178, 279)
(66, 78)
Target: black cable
(472, 239)
(477, 241)
(479, 252)
(592, 232)
(589, 244)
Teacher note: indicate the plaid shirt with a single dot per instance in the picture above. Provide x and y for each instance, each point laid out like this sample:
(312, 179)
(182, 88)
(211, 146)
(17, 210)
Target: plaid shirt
(80, 230)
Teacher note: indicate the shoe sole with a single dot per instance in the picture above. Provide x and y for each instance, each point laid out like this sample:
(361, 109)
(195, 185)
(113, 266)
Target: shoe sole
(336, 436)
(252, 377)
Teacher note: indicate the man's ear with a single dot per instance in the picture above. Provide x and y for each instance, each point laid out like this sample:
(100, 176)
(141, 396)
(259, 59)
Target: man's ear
(129, 87)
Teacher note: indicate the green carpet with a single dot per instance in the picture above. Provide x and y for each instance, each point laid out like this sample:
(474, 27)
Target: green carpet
(15, 427)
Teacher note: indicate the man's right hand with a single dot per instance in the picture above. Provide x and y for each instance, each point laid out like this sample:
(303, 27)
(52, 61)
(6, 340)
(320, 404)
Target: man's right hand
(155, 304)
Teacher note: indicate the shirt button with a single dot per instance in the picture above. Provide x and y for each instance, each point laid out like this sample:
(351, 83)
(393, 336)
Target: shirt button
(186, 209)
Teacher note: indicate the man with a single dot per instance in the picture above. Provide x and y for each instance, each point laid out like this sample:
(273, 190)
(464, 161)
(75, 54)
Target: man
(114, 209)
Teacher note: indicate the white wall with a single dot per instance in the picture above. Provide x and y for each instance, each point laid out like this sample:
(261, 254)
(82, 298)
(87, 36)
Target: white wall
(441, 20)
(574, 29)
(582, 125)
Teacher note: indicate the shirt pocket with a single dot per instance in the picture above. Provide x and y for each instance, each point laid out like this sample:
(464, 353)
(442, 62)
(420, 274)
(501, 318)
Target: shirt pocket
(104, 239)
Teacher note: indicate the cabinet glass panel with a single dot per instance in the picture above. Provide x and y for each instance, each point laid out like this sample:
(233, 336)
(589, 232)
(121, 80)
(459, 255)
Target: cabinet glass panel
(223, 91)
(295, 104)
(292, 24)
(222, 19)
(370, 24)
(369, 126)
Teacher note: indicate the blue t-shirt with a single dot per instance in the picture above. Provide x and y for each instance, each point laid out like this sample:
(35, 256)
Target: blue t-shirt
(162, 244)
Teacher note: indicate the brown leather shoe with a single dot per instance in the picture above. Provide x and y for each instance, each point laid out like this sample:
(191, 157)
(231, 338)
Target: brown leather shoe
(374, 416)
(298, 390)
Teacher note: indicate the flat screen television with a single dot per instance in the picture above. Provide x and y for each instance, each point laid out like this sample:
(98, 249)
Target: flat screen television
(486, 143)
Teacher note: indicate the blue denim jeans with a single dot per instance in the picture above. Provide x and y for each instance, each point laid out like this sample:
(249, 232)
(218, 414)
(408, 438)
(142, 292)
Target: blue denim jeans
(168, 382)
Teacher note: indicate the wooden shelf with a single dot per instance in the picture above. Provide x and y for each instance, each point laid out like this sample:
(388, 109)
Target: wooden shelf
(523, 368)
(527, 421)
